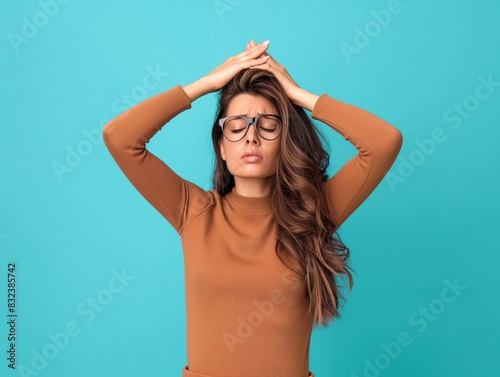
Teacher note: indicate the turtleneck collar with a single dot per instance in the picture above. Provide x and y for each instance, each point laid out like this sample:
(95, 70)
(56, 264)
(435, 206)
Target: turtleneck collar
(261, 204)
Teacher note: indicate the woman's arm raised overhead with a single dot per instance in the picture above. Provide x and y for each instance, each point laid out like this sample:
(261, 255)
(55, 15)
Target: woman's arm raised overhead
(126, 137)
(378, 144)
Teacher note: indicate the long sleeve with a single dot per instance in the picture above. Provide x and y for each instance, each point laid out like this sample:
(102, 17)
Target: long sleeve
(378, 144)
(126, 137)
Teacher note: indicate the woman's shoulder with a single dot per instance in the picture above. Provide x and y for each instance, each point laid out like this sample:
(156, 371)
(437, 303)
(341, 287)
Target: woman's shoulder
(198, 197)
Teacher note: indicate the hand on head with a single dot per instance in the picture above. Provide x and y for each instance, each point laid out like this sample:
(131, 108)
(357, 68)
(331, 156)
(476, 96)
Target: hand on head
(221, 75)
(270, 64)
(255, 56)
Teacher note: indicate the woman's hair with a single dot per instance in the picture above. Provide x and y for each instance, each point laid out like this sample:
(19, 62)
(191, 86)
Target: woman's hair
(307, 241)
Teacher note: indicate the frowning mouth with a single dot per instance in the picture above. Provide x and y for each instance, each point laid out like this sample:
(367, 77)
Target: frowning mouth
(251, 156)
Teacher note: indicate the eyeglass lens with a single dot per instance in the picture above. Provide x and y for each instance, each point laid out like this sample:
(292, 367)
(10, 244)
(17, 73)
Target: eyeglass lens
(268, 127)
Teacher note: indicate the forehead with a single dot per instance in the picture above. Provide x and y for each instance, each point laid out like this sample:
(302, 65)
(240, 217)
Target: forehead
(250, 105)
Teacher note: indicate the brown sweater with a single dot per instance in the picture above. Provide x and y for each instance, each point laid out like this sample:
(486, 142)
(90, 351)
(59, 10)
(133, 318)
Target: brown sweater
(245, 316)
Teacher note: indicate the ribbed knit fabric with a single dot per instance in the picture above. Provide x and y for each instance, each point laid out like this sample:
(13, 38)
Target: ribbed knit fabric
(246, 315)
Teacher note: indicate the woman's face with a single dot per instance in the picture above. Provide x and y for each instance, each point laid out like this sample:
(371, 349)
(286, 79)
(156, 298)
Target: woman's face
(266, 152)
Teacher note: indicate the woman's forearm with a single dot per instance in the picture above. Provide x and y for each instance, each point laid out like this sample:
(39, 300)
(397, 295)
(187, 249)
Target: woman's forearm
(134, 128)
(378, 144)
(126, 137)
(304, 99)
(197, 89)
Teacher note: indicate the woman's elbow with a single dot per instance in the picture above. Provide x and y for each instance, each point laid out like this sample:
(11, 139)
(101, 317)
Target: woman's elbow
(394, 142)
(394, 139)
(398, 138)
(109, 136)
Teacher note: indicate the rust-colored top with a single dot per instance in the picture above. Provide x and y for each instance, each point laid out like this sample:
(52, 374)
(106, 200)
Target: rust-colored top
(245, 316)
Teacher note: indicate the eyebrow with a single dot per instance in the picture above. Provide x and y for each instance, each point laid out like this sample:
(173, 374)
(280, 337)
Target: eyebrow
(246, 114)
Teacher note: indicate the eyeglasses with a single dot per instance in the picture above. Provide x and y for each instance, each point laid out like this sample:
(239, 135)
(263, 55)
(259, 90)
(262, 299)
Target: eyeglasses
(234, 128)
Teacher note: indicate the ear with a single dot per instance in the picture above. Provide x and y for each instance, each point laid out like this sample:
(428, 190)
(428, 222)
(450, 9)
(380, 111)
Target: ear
(221, 148)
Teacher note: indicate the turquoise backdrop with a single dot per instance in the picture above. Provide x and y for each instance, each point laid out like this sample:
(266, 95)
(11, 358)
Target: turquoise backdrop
(98, 273)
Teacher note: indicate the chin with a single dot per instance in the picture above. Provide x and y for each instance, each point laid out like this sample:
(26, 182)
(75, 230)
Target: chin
(253, 171)
(256, 174)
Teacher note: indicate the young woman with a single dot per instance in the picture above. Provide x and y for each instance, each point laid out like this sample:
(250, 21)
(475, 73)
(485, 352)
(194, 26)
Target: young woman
(261, 254)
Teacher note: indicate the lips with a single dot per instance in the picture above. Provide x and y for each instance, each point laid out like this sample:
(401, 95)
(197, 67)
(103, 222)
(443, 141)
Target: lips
(251, 154)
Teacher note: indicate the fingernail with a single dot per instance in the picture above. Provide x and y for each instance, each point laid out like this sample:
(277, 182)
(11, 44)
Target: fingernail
(265, 43)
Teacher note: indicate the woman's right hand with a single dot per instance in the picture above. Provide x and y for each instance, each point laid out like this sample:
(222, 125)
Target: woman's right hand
(221, 75)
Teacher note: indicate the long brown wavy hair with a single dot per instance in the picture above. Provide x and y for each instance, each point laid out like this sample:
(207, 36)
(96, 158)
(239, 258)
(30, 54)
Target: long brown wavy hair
(307, 241)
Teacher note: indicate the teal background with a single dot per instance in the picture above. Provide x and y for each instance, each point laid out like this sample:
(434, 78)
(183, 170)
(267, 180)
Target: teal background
(422, 227)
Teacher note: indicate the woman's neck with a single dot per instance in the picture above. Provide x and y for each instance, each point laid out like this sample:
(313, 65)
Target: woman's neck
(253, 187)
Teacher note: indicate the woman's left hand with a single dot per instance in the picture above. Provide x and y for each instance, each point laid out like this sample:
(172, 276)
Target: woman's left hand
(286, 81)
(296, 94)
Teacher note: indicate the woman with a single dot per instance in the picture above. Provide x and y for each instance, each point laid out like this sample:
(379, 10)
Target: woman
(261, 253)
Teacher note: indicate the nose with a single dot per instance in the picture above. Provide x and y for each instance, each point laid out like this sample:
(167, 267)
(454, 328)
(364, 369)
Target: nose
(252, 136)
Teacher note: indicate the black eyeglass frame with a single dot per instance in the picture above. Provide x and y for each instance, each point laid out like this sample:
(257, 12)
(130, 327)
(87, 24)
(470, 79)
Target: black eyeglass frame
(250, 120)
